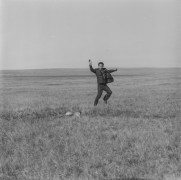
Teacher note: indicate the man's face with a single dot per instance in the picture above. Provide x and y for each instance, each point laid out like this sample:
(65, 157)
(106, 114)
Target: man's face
(100, 66)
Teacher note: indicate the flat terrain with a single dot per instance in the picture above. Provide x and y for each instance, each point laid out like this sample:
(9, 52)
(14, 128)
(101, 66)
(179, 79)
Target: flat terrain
(137, 135)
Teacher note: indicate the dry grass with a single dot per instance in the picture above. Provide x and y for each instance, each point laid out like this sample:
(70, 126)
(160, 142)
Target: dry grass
(137, 136)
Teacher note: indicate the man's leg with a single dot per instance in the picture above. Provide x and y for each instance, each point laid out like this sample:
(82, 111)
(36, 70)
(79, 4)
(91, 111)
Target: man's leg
(99, 94)
(108, 91)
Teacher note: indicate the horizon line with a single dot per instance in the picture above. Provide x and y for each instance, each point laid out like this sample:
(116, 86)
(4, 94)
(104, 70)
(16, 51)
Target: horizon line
(174, 67)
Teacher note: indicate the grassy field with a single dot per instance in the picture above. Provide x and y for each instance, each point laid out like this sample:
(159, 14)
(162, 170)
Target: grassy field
(136, 136)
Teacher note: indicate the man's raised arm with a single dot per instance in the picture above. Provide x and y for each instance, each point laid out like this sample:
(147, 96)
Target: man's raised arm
(91, 68)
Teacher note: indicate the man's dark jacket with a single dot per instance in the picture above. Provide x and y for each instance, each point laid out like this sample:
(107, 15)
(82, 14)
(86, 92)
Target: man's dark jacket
(103, 76)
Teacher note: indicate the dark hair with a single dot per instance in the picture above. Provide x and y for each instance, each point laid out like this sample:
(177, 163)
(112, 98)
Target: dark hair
(101, 63)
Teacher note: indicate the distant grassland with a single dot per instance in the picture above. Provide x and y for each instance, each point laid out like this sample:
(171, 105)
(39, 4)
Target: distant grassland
(137, 135)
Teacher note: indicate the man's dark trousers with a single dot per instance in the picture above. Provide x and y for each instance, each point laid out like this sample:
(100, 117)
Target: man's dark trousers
(101, 88)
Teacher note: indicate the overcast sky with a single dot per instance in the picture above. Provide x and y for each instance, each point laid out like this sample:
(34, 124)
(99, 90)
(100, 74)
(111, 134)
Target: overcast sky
(66, 33)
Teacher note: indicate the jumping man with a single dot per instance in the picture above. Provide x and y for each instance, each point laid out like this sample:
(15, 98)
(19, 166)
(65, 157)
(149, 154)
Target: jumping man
(103, 77)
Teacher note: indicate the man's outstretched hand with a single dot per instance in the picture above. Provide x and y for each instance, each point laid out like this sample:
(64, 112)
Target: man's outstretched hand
(115, 69)
(90, 62)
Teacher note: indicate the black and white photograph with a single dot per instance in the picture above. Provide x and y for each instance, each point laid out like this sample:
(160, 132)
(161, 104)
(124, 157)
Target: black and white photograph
(90, 90)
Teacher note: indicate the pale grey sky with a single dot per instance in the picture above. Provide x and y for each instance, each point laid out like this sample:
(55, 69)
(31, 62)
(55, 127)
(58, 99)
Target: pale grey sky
(66, 33)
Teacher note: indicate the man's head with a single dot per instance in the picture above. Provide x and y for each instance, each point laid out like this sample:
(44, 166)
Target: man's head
(100, 65)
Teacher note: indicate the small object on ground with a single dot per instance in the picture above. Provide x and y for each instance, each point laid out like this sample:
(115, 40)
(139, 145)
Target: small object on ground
(77, 114)
(68, 113)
